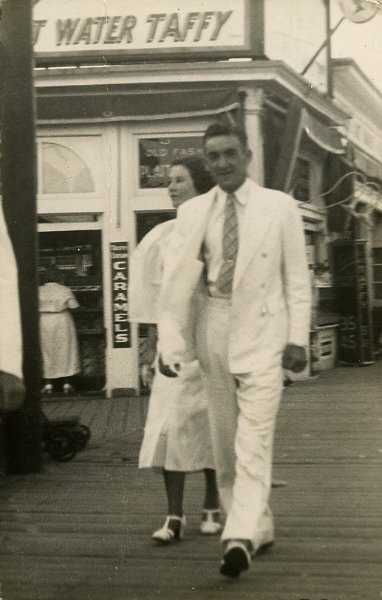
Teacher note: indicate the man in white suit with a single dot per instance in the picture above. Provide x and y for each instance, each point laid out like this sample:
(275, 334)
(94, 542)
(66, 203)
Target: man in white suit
(11, 386)
(237, 257)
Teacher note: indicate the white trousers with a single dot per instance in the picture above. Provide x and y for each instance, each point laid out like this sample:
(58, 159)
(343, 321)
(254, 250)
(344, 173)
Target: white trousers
(242, 412)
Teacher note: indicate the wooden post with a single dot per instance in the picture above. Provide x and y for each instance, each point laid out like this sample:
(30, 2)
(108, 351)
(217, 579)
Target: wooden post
(22, 429)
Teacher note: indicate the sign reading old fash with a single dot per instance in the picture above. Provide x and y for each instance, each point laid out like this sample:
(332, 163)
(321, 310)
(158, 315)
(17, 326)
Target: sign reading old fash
(125, 29)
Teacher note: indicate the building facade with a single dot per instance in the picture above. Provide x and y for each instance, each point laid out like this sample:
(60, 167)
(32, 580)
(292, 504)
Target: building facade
(108, 129)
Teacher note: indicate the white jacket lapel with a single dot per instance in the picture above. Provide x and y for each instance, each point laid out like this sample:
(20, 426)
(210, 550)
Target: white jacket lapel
(258, 218)
(195, 233)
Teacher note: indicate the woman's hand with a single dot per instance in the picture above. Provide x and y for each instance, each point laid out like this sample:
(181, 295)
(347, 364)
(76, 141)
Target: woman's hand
(147, 375)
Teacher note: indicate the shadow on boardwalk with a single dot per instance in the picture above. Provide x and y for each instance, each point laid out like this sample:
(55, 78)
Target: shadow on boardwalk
(81, 530)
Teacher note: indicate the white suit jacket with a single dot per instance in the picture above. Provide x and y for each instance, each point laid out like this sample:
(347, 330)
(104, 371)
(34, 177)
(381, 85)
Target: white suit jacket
(10, 326)
(271, 275)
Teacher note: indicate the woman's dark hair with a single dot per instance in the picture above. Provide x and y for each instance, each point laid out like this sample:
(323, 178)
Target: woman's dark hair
(52, 274)
(203, 181)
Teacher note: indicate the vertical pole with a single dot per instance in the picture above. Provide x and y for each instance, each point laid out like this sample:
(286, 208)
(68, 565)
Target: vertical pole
(252, 107)
(289, 146)
(329, 69)
(23, 428)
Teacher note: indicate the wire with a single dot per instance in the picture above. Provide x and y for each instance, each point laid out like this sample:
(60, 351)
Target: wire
(341, 201)
(377, 187)
(366, 183)
(340, 180)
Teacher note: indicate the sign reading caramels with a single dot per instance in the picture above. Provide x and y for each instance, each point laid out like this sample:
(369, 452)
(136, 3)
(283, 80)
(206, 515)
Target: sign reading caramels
(78, 32)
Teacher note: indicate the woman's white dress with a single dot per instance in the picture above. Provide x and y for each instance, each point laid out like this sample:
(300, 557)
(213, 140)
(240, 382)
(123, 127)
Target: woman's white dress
(59, 345)
(176, 435)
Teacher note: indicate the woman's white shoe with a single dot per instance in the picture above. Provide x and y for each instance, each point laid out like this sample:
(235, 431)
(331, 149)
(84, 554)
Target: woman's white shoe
(210, 524)
(172, 530)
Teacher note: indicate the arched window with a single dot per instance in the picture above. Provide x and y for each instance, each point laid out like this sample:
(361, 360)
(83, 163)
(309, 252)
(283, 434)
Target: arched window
(64, 171)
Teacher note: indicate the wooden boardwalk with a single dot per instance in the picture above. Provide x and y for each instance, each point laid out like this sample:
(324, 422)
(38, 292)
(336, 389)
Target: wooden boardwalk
(81, 530)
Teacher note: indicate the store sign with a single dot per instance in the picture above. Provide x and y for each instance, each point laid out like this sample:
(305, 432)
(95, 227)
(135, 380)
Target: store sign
(156, 155)
(129, 30)
(119, 290)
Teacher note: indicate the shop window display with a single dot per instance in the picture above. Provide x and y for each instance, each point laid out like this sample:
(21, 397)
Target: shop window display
(78, 255)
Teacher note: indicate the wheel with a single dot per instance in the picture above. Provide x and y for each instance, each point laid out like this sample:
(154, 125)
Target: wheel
(61, 445)
(80, 439)
(86, 432)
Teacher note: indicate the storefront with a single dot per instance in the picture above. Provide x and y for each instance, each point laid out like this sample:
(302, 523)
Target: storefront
(354, 207)
(106, 135)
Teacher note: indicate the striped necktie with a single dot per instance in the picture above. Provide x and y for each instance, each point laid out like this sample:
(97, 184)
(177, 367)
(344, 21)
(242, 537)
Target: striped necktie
(230, 246)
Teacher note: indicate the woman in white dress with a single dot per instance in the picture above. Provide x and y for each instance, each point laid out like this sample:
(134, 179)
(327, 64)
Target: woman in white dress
(176, 437)
(58, 337)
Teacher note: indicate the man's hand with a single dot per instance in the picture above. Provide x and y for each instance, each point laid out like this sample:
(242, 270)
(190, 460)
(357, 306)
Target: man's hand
(165, 369)
(294, 358)
(12, 392)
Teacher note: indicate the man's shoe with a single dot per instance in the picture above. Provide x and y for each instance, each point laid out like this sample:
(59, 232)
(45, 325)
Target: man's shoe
(237, 558)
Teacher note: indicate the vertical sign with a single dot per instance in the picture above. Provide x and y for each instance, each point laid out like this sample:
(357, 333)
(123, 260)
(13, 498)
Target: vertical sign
(119, 282)
(350, 278)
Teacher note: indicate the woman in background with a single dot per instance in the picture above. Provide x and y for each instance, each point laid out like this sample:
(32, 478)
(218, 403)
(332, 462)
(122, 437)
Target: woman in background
(59, 345)
(176, 436)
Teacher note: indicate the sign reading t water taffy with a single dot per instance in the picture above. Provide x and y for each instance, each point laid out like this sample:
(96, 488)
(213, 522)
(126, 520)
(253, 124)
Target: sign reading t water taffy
(75, 31)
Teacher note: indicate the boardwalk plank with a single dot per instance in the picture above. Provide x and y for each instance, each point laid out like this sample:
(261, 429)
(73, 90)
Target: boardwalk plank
(82, 529)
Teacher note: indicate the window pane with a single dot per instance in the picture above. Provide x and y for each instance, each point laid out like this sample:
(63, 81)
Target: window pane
(301, 189)
(64, 171)
(377, 256)
(378, 274)
(378, 291)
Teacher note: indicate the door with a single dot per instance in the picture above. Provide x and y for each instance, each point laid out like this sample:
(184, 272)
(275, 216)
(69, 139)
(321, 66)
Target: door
(76, 250)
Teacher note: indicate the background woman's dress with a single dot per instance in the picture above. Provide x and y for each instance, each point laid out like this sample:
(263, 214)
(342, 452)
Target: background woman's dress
(177, 436)
(58, 336)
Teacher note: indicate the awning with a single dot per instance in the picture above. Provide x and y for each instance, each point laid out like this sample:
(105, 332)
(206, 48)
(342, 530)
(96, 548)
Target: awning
(365, 163)
(322, 134)
(116, 105)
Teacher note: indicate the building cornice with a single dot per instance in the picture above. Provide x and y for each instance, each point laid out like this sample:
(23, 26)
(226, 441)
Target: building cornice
(275, 75)
(356, 92)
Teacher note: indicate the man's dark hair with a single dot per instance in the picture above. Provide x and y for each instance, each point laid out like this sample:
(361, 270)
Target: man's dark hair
(218, 129)
(201, 178)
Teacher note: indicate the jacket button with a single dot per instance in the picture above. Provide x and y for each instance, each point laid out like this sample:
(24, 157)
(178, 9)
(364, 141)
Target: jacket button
(264, 255)
(263, 312)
